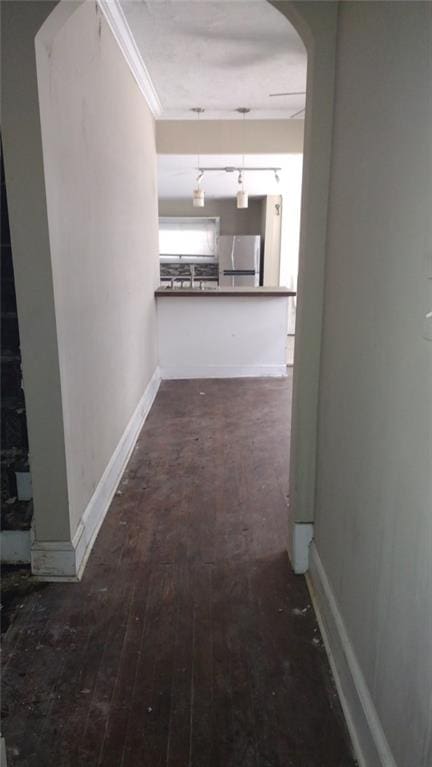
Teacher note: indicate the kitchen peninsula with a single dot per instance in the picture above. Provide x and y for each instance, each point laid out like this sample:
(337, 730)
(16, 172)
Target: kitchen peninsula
(222, 332)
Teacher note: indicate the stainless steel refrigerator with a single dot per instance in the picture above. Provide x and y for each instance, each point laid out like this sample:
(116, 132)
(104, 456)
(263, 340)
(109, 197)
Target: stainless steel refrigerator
(239, 260)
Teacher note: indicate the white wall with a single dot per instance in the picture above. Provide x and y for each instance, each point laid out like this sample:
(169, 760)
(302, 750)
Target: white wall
(230, 136)
(100, 170)
(316, 22)
(291, 185)
(373, 530)
(222, 336)
(232, 220)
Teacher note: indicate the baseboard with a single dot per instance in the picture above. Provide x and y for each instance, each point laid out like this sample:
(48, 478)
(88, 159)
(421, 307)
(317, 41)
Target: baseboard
(66, 560)
(176, 372)
(299, 541)
(369, 742)
(15, 547)
(54, 561)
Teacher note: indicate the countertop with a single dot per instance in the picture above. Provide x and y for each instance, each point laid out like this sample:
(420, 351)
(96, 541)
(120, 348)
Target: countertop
(218, 292)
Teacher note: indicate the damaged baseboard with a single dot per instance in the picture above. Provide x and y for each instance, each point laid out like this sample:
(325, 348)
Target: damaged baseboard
(66, 560)
(54, 561)
(369, 742)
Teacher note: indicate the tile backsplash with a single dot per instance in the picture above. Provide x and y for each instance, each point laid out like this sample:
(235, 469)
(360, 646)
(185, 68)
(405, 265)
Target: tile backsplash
(176, 270)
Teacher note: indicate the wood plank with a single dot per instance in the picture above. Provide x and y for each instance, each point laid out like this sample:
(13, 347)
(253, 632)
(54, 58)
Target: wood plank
(189, 641)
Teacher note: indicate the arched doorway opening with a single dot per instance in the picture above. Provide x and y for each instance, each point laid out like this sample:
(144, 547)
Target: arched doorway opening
(316, 24)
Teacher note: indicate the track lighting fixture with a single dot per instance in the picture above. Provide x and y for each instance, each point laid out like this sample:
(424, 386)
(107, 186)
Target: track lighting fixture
(198, 197)
(242, 197)
(240, 171)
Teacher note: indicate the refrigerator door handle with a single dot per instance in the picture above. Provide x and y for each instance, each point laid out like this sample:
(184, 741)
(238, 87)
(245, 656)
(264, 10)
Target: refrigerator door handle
(240, 272)
(232, 260)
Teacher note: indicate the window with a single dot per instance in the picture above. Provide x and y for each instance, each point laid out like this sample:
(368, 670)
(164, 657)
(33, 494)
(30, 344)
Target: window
(181, 238)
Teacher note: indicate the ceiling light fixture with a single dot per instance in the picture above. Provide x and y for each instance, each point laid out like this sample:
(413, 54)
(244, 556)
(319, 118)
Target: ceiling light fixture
(230, 169)
(242, 197)
(240, 171)
(198, 197)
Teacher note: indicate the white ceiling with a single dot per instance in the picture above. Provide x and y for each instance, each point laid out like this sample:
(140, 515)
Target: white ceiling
(219, 55)
(177, 175)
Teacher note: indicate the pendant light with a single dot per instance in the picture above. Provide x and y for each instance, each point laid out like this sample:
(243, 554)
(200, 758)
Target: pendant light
(242, 199)
(242, 196)
(198, 197)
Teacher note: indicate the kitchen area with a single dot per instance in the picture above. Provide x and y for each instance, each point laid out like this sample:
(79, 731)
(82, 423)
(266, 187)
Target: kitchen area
(222, 309)
(193, 254)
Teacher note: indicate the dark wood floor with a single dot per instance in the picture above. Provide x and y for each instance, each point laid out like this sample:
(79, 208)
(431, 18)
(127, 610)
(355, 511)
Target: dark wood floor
(189, 642)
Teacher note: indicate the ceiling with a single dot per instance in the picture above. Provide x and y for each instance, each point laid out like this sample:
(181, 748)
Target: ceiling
(220, 56)
(177, 175)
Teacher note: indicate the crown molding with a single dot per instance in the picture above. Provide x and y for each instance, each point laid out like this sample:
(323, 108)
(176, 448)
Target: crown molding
(121, 30)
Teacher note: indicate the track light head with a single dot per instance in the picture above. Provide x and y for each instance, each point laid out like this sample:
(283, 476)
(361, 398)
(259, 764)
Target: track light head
(242, 199)
(198, 198)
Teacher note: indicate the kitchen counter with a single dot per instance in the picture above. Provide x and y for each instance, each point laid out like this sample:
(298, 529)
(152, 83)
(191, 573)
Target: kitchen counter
(242, 333)
(216, 292)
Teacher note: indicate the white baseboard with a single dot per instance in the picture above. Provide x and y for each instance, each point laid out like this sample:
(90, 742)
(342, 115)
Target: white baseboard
(300, 538)
(15, 547)
(176, 372)
(54, 561)
(369, 742)
(66, 560)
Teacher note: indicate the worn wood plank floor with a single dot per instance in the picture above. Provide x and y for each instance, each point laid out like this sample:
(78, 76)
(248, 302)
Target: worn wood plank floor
(189, 642)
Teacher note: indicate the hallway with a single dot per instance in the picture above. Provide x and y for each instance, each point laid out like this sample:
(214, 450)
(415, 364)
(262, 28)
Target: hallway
(188, 641)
